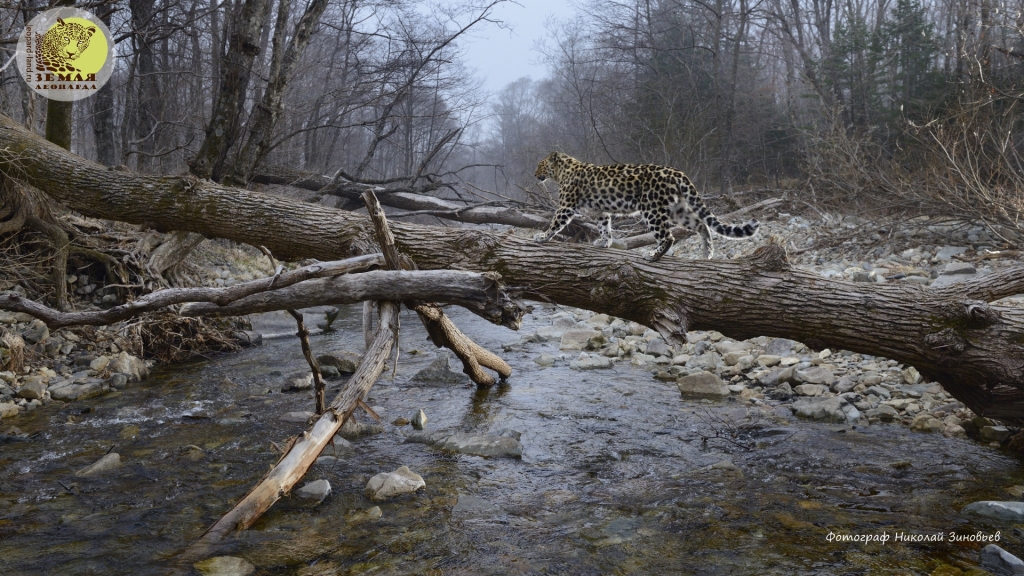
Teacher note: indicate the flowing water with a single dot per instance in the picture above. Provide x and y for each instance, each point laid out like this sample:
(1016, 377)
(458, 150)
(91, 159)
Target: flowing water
(616, 477)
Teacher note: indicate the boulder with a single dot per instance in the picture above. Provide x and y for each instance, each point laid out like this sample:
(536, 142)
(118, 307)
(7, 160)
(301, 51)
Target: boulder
(702, 385)
(225, 566)
(1011, 511)
(581, 339)
(485, 445)
(314, 492)
(1001, 561)
(345, 362)
(32, 390)
(590, 362)
(297, 382)
(831, 409)
(816, 375)
(925, 422)
(391, 484)
(440, 372)
(134, 368)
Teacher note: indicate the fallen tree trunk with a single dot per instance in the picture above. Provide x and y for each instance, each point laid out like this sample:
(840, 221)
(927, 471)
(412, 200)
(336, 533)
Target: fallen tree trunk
(303, 452)
(951, 335)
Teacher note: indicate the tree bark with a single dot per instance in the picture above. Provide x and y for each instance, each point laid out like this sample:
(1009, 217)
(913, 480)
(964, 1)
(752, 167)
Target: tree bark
(236, 70)
(265, 115)
(951, 335)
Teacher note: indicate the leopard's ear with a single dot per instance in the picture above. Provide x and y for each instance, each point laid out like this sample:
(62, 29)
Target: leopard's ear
(61, 22)
(91, 30)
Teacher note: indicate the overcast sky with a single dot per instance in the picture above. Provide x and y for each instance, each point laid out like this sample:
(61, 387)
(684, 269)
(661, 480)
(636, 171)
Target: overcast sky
(500, 55)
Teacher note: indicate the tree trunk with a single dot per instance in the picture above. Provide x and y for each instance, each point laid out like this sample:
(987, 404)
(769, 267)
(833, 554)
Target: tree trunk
(103, 112)
(236, 70)
(950, 335)
(266, 114)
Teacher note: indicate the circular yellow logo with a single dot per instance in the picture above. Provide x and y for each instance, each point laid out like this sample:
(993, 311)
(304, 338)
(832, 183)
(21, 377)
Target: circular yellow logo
(65, 54)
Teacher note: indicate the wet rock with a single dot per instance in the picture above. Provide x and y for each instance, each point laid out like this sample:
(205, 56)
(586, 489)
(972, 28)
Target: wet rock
(339, 447)
(474, 506)
(314, 492)
(117, 381)
(353, 429)
(702, 385)
(419, 420)
(87, 388)
(36, 332)
(297, 382)
(994, 433)
(545, 360)
(105, 464)
(590, 362)
(32, 390)
(364, 516)
(400, 421)
(658, 347)
(884, 412)
(8, 409)
(925, 422)
(581, 338)
(816, 375)
(486, 445)
(247, 338)
(1001, 561)
(832, 409)
(344, 362)
(329, 372)
(780, 347)
(1011, 511)
(299, 417)
(391, 484)
(134, 368)
(225, 566)
(129, 432)
(440, 372)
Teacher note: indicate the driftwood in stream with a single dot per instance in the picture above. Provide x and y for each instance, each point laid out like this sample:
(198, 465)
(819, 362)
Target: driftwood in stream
(443, 332)
(304, 450)
(952, 335)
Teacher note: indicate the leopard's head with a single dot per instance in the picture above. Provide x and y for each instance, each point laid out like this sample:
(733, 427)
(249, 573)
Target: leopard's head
(551, 167)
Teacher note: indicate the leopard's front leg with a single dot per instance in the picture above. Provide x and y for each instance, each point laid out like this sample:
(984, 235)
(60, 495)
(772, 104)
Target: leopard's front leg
(562, 218)
(604, 226)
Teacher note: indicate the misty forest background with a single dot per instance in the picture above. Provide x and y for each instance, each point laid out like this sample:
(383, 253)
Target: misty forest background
(884, 108)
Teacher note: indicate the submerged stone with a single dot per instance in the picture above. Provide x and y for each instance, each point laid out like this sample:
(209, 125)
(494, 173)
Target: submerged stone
(391, 484)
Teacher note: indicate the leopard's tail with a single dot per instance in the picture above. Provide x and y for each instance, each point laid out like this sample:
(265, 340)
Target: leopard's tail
(728, 230)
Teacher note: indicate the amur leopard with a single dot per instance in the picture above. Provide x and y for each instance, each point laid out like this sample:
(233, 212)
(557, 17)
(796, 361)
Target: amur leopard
(661, 196)
(63, 43)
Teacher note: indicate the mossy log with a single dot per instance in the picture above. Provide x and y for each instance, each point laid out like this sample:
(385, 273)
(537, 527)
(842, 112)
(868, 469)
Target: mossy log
(951, 335)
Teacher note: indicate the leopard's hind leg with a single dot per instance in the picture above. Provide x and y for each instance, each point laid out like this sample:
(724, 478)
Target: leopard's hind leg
(684, 216)
(659, 222)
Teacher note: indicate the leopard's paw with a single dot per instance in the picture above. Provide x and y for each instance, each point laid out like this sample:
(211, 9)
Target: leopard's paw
(603, 242)
(540, 237)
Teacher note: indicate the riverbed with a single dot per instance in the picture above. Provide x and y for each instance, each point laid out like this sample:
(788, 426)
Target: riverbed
(618, 475)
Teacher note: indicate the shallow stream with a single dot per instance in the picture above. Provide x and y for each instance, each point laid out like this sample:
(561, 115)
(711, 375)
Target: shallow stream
(615, 477)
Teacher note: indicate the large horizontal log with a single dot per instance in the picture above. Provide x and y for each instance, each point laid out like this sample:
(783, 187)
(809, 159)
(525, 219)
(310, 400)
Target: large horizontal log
(951, 335)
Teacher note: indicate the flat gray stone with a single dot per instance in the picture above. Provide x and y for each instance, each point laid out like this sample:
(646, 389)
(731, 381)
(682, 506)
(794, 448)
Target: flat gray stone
(702, 385)
(314, 492)
(658, 347)
(832, 409)
(780, 347)
(300, 417)
(225, 566)
(440, 372)
(485, 445)
(947, 252)
(816, 375)
(1011, 511)
(884, 412)
(590, 362)
(580, 339)
(1001, 561)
